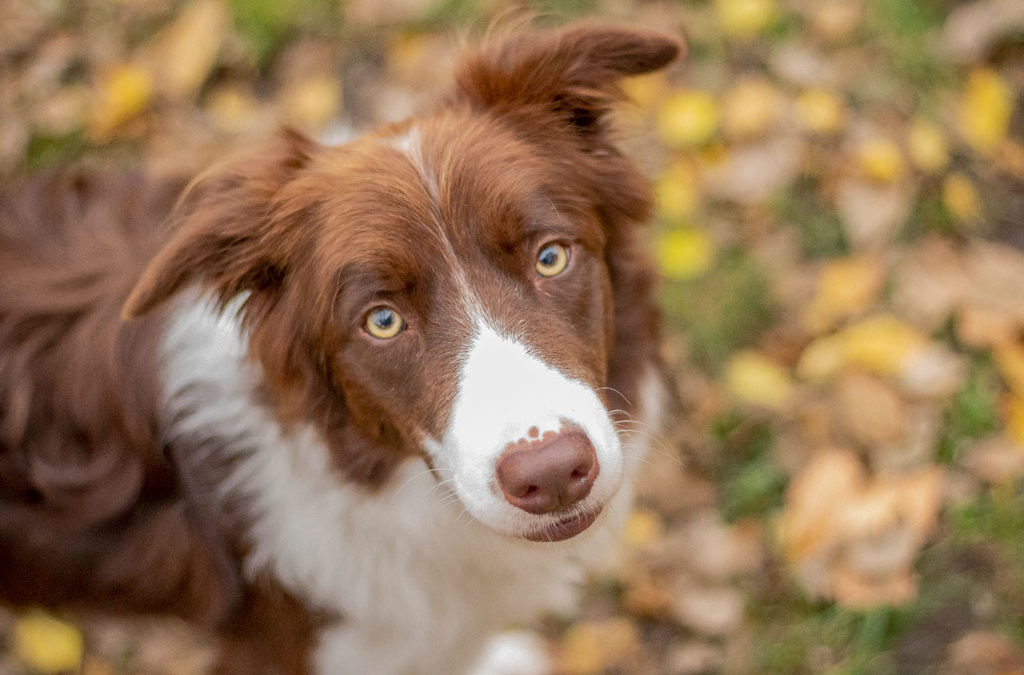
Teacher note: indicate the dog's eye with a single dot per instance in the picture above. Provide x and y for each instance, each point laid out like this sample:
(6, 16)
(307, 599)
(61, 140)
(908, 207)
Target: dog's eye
(384, 323)
(552, 260)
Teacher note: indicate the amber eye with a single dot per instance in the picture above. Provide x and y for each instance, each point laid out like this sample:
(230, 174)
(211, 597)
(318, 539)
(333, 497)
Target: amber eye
(552, 260)
(384, 323)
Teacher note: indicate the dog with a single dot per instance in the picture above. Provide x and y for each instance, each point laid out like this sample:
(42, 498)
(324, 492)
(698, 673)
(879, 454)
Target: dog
(352, 408)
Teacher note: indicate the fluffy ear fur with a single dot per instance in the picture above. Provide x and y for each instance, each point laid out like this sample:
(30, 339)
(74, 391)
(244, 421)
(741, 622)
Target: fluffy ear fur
(225, 226)
(572, 72)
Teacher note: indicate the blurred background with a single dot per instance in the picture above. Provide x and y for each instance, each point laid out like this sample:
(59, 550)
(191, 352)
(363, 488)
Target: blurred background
(840, 190)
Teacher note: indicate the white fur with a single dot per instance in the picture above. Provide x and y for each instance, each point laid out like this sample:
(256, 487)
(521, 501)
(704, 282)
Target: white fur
(420, 583)
(504, 391)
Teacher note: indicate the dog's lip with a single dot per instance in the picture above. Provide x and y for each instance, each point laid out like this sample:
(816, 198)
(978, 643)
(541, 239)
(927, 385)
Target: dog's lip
(565, 528)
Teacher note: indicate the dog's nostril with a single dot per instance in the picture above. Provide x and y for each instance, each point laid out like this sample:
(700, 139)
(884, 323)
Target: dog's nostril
(548, 475)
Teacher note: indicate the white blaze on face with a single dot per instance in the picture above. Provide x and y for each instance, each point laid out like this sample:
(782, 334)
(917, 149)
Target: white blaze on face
(504, 392)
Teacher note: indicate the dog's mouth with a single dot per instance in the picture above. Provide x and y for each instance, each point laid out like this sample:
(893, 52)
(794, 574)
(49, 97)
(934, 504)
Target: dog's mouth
(566, 528)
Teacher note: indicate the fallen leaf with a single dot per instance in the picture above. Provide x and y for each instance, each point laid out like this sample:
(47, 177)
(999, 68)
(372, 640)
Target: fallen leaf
(677, 192)
(998, 460)
(595, 646)
(688, 118)
(750, 107)
(846, 287)
(46, 643)
(712, 611)
(882, 344)
(973, 28)
(870, 411)
(312, 102)
(821, 111)
(961, 198)
(643, 527)
(927, 146)
(835, 20)
(985, 108)
(1009, 358)
(125, 92)
(684, 253)
(872, 211)
(745, 18)
(881, 160)
(756, 380)
(755, 173)
(184, 52)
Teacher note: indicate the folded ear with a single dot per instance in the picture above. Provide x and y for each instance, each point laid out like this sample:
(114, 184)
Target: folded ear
(573, 72)
(229, 229)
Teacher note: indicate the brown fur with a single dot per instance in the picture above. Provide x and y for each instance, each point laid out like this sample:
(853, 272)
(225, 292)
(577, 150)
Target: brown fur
(94, 510)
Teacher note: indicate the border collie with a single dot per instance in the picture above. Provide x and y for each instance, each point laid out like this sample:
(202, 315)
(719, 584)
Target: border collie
(352, 408)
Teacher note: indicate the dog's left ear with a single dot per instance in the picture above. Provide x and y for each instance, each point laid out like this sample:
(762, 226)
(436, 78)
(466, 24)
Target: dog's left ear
(572, 73)
(233, 230)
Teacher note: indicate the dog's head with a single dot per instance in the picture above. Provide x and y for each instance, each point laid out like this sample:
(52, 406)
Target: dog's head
(462, 285)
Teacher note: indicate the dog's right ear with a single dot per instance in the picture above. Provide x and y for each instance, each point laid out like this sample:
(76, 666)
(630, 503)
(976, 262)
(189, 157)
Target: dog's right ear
(572, 73)
(232, 229)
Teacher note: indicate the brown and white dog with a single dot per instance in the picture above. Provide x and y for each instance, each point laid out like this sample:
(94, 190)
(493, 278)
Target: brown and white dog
(362, 413)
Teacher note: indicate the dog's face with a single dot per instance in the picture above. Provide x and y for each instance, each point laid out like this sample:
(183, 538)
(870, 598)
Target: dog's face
(442, 287)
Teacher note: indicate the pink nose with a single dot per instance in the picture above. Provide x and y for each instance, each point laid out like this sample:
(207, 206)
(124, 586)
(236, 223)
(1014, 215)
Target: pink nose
(548, 475)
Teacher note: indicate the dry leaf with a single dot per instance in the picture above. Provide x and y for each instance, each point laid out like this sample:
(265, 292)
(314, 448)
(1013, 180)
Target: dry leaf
(184, 52)
(756, 173)
(870, 411)
(677, 192)
(927, 146)
(594, 646)
(688, 118)
(125, 93)
(846, 287)
(961, 198)
(985, 109)
(715, 610)
(880, 159)
(750, 107)
(872, 211)
(47, 644)
(684, 253)
(745, 18)
(756, 380)
(821, 111)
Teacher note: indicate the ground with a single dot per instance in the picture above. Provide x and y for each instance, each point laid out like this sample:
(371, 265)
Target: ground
(840, 193)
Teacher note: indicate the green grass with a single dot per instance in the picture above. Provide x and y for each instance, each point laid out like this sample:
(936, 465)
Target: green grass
(974, 412)
(723, 310)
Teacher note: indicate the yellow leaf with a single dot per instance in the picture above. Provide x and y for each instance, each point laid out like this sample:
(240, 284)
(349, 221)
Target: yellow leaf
(881, 159)
(821, 359)
(1015, 419)
(594, 646)
(313, 102)
(185, 51)
(646, 90)
(125, 93)
(927, 146)
(688, 118)
(985, 110)
(881, 344)
(1009, 358)
(821, 111)
(847, 286)
(745, 18)
(960, 197)
(685, 253)
(750, 108)
(643, 527)
(677, 191)
(755, 379)
(47, 644)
